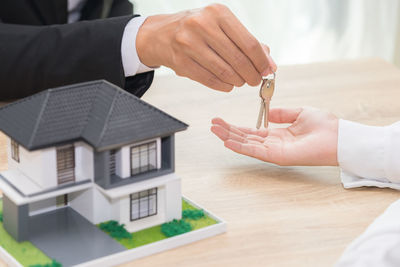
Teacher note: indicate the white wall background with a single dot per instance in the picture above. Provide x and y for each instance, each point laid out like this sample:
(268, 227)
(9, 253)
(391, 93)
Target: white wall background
(309, 30)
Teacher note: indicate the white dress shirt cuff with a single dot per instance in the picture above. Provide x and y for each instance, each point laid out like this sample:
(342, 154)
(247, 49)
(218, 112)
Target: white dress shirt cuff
(363, 153)
(130, 59)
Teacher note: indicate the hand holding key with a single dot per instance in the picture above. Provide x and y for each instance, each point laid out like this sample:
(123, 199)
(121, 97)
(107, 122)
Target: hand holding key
(266, 91)
(209, 45)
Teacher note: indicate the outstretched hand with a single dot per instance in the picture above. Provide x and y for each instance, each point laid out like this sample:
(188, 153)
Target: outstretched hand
(311, 139)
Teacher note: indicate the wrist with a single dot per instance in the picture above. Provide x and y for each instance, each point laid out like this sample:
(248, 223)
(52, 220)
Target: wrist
(149, 41)
(329, 142)
(335, 129)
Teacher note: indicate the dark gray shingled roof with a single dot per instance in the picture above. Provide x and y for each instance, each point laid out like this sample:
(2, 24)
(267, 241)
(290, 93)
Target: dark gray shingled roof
(97, 112)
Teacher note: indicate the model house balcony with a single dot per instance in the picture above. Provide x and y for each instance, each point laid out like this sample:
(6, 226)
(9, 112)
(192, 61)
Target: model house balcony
(134, 163)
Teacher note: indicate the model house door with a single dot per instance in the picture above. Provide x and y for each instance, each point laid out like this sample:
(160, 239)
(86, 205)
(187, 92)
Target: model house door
(65, 164)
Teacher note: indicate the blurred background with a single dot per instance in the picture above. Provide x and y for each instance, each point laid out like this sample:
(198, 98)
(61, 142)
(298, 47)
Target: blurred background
(308, 31)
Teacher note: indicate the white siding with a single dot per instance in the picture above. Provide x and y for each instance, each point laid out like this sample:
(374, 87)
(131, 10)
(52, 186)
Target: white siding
(123, 166)
(82, 202)
(94, 206)
(123, 158)
(84, 162)
(49, 167)
(104, 208)
(41, 165)
(173, 200)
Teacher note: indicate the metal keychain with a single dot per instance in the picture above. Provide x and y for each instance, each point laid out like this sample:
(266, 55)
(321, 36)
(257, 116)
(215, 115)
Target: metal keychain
(266, 93)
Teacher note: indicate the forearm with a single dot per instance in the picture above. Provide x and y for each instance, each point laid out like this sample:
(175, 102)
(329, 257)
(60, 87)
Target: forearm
(39, 57)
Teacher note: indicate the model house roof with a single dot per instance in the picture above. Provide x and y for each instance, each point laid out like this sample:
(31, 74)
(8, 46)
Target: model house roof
(97, 112)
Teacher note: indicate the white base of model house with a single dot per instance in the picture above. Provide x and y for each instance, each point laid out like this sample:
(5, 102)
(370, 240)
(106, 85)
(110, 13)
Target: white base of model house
(145, 250)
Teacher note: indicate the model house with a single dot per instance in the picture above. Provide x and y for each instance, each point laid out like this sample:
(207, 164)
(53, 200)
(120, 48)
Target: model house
(93, 148)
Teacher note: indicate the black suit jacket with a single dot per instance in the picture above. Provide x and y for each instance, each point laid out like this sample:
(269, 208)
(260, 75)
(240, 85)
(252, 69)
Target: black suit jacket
(39, 50)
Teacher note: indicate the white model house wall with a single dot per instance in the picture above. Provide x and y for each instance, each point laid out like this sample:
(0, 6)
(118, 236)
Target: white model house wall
(41, 165)
(84, 162)
(123, 158)
(95, 206)
(169, 207)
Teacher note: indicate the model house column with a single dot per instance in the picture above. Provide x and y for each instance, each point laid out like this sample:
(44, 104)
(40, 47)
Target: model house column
(15, 219)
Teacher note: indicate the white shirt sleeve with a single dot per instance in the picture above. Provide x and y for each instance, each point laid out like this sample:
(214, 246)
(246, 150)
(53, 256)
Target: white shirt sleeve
(369, 155)
(130, 59)
(379, 245)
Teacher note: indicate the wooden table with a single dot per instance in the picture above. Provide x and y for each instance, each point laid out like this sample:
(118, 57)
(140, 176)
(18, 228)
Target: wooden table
(277, 216)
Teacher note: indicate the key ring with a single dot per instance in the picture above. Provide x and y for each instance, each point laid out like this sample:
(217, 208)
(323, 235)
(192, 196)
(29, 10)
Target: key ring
(272, 74)
(266, 79)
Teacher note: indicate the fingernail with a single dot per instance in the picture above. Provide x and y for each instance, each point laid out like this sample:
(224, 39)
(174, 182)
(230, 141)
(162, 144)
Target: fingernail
(266, 72)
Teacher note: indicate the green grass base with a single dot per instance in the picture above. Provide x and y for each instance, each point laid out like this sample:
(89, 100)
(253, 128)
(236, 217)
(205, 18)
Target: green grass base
(199, 223)
(154, 234)
(27, 254)
(24, 252)
(143, 237)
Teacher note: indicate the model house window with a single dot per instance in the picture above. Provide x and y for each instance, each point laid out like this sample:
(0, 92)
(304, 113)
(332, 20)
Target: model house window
(143, 158)
(14, 150)
(66, 164)
(112, 161)
(143, 204)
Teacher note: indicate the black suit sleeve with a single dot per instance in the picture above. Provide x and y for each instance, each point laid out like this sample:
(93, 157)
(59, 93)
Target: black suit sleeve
(34, 58)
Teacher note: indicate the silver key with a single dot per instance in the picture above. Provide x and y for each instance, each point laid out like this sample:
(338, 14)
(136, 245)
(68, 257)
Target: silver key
(266, 92)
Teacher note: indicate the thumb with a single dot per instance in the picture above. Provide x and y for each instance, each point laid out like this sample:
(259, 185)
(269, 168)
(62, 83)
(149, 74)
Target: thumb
(272, 65)
(284, 115)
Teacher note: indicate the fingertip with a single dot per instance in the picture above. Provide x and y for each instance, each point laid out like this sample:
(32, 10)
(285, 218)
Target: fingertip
(274, 67)
(272, 64)
(267, 72)
(226, 88)
(214, 129)
(216, 120)
(220, 131)
(231, 144)
(256, 81)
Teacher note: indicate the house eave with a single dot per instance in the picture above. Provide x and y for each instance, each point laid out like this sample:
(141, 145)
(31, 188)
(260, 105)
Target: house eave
(125, 190)
(118, 145)
(96, 147)
(20, 198)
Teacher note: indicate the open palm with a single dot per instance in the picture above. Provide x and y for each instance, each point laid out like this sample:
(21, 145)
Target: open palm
(311, 139)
